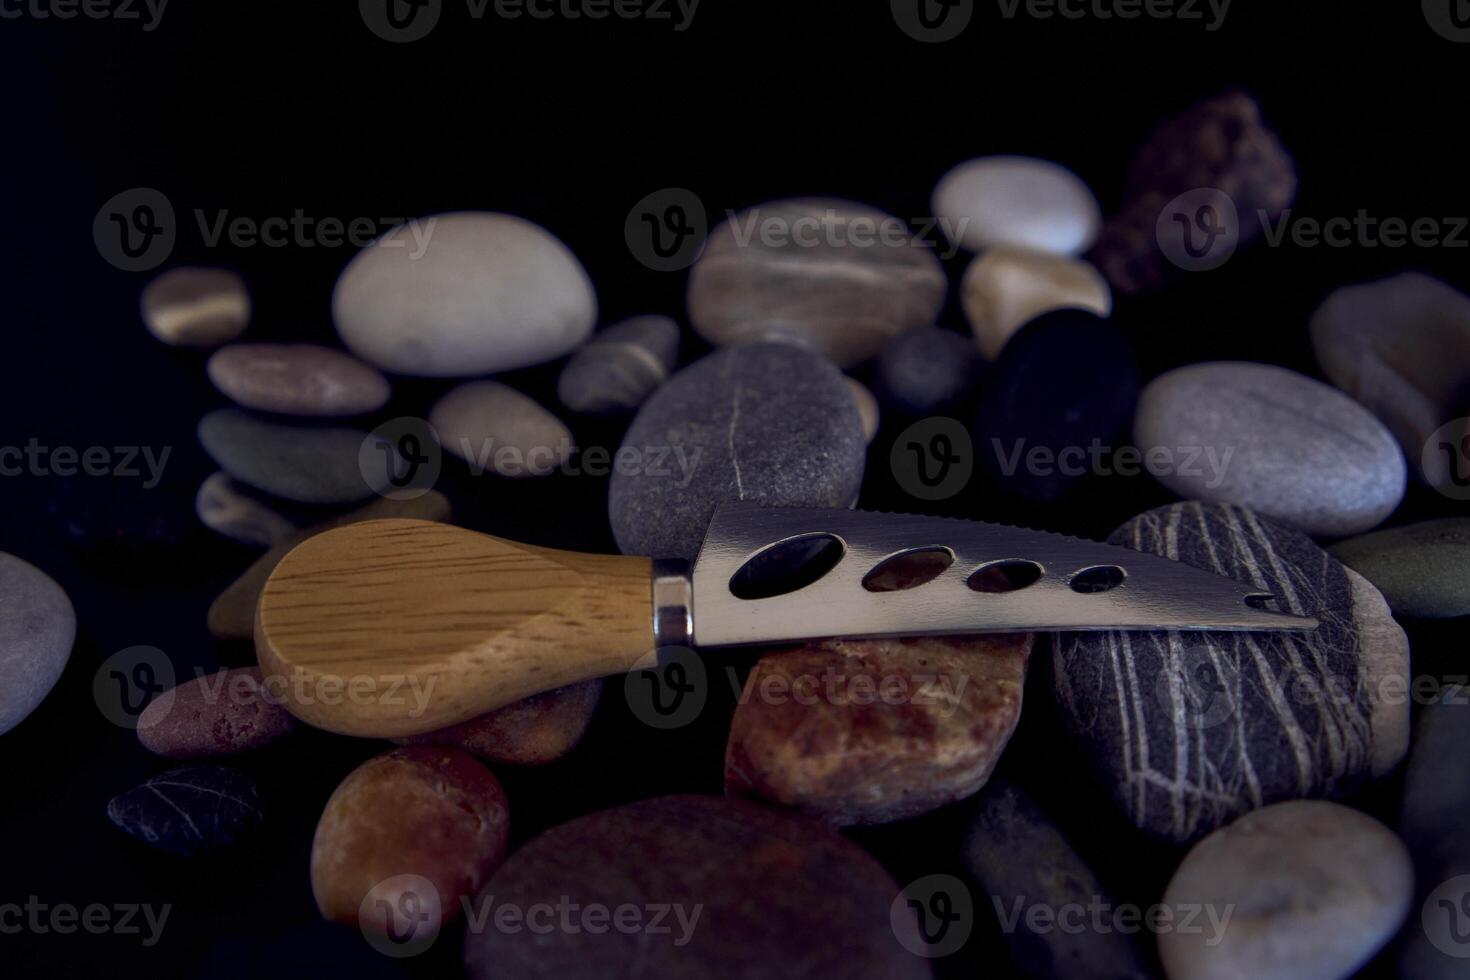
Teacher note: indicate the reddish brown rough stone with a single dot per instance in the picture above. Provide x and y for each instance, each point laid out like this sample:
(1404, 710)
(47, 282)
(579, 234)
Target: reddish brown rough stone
(426, 814)
(738, 891)
(1220, 144)
(871, 731)
(220, 714)
(532, 732)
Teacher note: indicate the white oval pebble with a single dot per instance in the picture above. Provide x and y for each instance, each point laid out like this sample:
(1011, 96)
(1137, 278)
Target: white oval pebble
(1295, 891)
(1020, 201)
(496, 428)
(1006, 288)
(462, 294)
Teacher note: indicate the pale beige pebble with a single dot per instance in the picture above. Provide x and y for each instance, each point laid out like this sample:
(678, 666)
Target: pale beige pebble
(194, 306)
(426, 818)
(867, 407)
(497, 429)
(1006, 288)
(226, 509)
(1385, 673)
(533, 732)
(464, 294)
(1302, 890)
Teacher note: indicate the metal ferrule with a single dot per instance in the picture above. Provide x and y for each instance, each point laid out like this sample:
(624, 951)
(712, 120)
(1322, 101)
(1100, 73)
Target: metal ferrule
(673, 603)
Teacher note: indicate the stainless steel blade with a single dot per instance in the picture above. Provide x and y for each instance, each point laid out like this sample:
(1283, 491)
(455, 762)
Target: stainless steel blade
(1156, 593)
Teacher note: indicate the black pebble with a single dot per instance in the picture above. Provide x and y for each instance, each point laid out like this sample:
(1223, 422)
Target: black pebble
(190, 810)
(1065, 380)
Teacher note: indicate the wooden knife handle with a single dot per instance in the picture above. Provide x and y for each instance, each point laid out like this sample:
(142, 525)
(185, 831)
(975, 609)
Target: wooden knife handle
(399, 627)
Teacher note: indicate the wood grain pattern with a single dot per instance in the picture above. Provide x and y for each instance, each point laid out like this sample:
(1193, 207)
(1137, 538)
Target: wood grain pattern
(399, 627)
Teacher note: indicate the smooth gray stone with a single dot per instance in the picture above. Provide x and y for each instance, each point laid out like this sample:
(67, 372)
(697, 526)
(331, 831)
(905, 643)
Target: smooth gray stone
(927, 371)
(767, 422)
(297, 379)
(844, 277)
(1423, 570)
(1433, 822)
(1188, 730)
(1021, 859)
(1401, 346)
(307, 465)
(620, 366)
(37, 629)
(456, 295)
(1311, 889)
(1274, 441)
(194, 306)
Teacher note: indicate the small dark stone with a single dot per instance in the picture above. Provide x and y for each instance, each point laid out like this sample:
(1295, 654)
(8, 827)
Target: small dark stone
(1021, 859)
(124, 528)
(189, 811)
(1432, 823)
(620, 366)
(1066, 383)
(769, 422)
(928, 371)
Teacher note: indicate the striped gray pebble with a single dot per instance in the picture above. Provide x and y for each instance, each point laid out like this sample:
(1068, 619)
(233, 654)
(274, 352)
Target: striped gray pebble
(1189, 730)
(620, 366)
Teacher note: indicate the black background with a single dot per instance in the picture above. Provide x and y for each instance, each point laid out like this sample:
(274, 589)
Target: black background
(265, 107)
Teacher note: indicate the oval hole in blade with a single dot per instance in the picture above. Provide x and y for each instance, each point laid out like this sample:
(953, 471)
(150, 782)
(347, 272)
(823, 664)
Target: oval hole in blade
(1010, 575)
(1098, 578)
(908, 569)
(787, 566)
(1266, 602)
